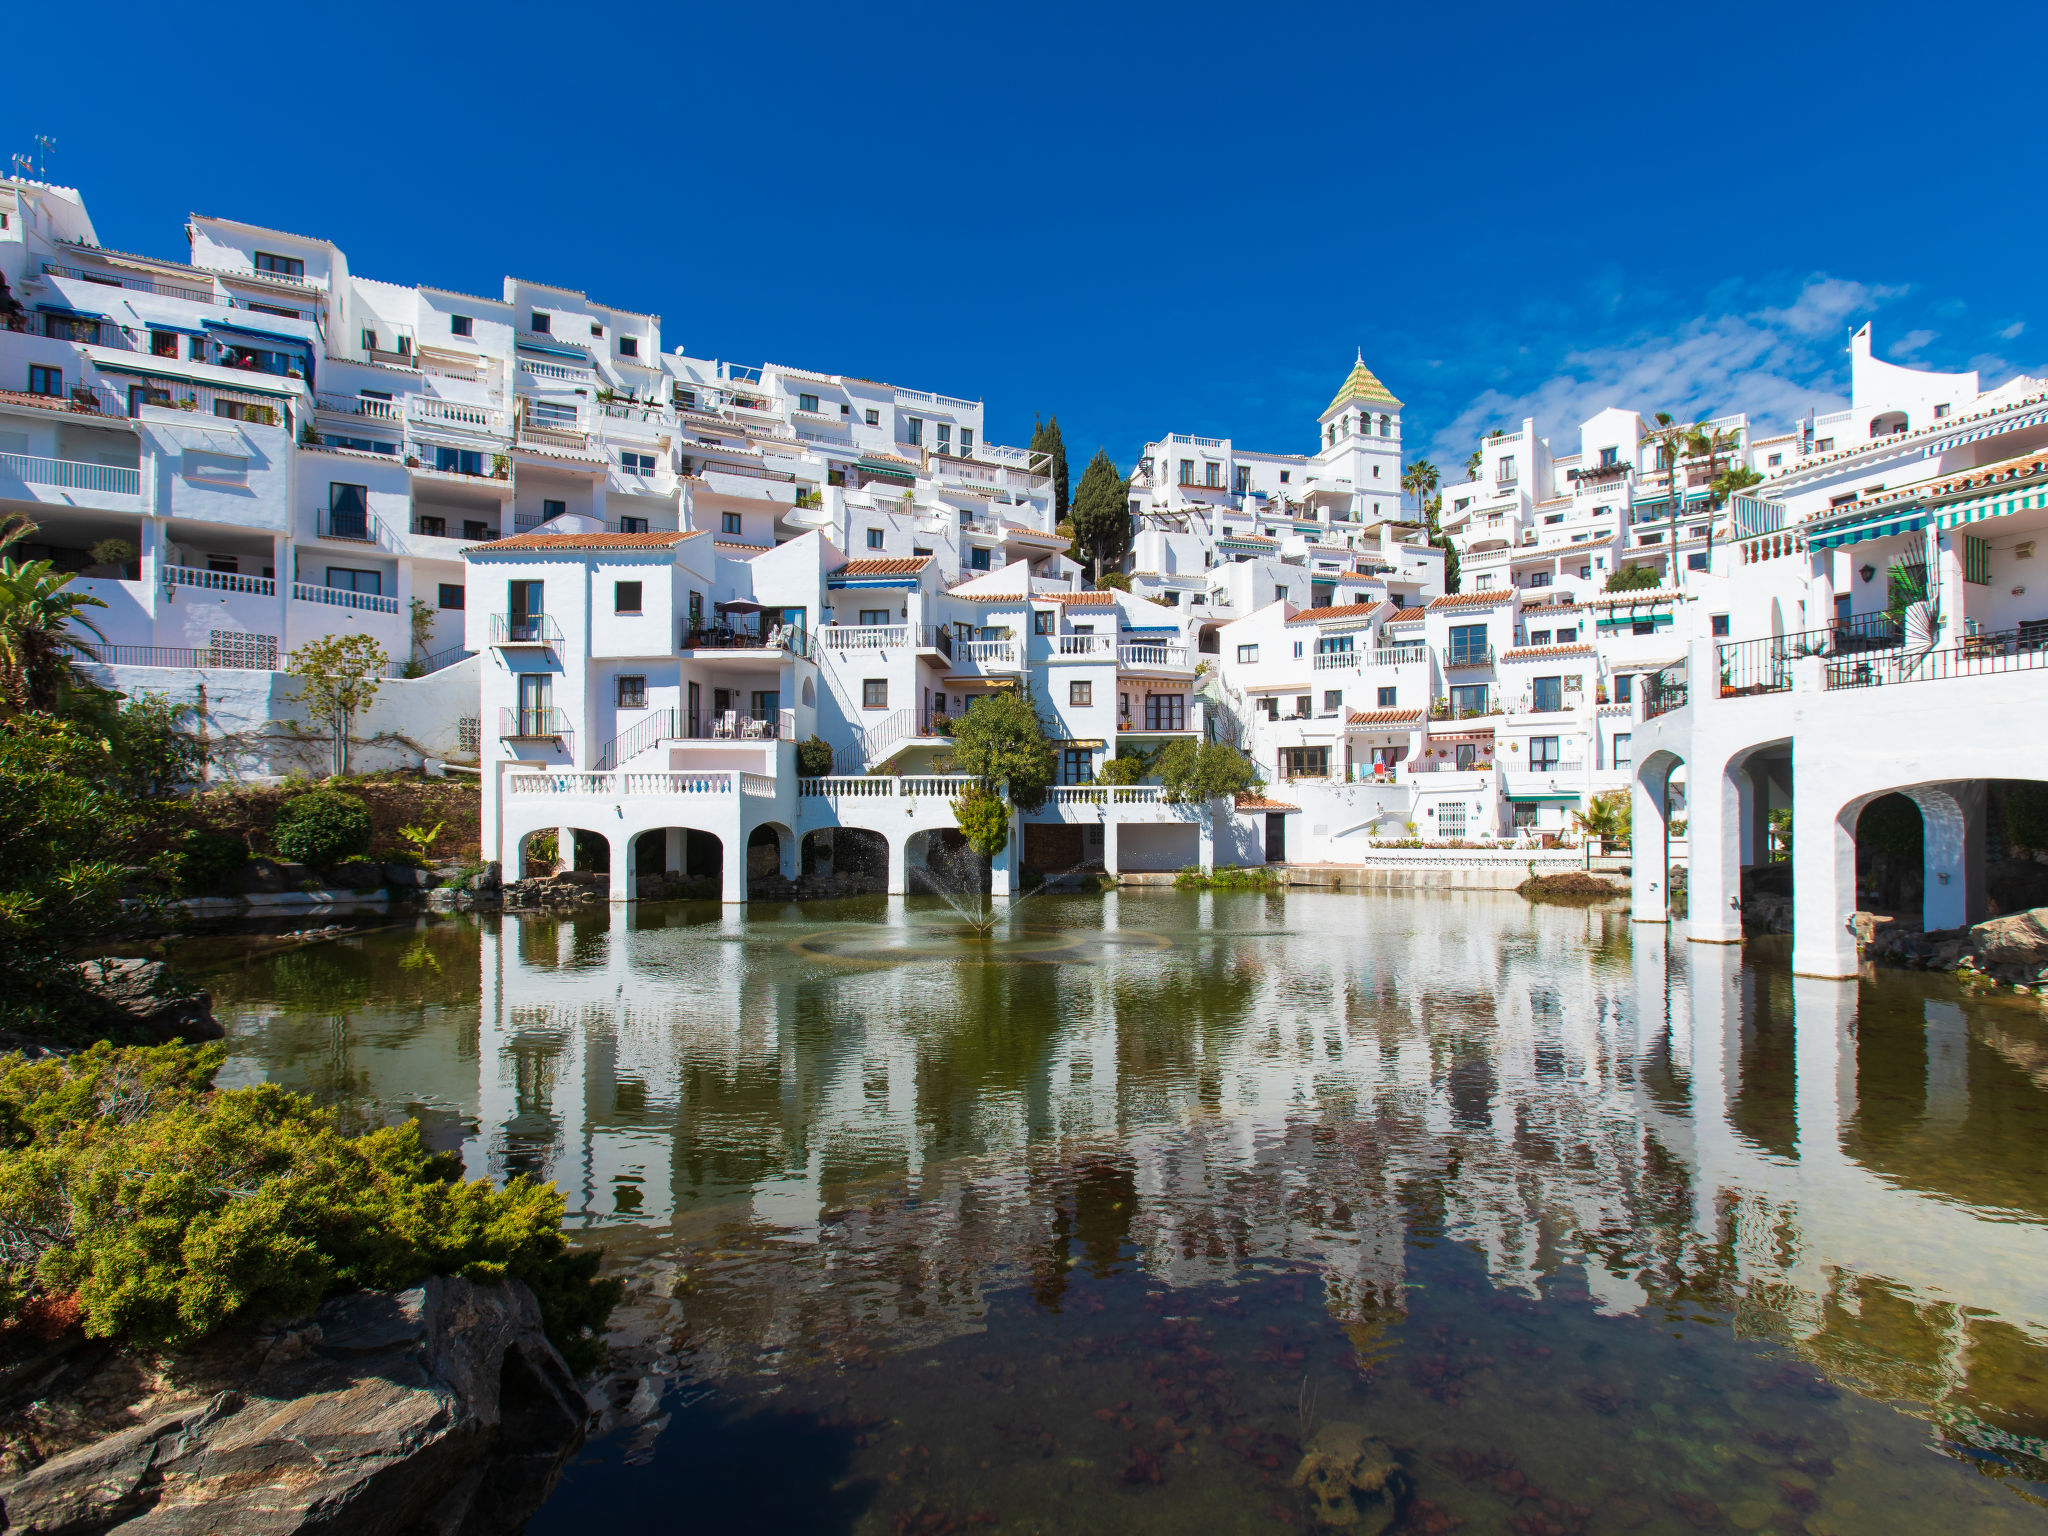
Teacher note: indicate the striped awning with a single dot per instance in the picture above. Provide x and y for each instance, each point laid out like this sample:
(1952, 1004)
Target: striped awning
(1871, 528)
(1526, 795)
(1989, 429)
(1997, 504)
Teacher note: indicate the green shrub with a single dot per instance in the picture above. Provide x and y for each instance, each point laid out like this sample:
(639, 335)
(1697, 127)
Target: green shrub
(984, 820)
(814, 757)
(1228, 877)
(160, 1210)
(209, 861)
(322, 827)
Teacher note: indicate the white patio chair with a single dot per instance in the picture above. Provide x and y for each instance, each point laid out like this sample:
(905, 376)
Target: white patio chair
(726, 725)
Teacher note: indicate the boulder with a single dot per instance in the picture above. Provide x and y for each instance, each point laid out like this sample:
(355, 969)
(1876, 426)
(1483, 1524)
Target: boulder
(2020, 939)
(356, 875)
(1354, 1483)
(485, 880)
(442, 1409)
(406, 877)
(271, 877)
(142, 992)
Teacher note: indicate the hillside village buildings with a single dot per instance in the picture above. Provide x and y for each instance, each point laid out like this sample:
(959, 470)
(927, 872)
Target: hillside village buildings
(635, 580)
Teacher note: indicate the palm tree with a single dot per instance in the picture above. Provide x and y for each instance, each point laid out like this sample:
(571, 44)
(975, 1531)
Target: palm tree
(1606, 817)
(1670, 437)
(1418, 480)
(36, 614)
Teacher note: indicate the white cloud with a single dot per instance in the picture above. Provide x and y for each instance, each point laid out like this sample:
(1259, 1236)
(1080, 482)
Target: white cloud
(1907, 348)
(2012, 332)
(1774, 361)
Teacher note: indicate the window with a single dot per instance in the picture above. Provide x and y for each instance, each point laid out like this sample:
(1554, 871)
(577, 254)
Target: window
(1546, 695)
(1825, 445)
(596, 329)
(1386, 700)
(347, 579)
(1567, 636)
(1940, 411)
(1624, 687)
(632, 525)
(1187, 471)
(873, 617)
(1624, 750)
(1304, 705)
(807, 403)
(540, 321)
(550, 509)
(1643, 627)
(1247, 654)
(1283, 476)
(967, 442)
(1697, 562)
(1468, 645)
(348, 511)
(459, 461)
(369, 339)
(1543, 753)
(977, 560)
(629, 346)
(461, 325)
(913, 431)
(195, 348)
(1468, 699)
(729, 522)
(1041, 623)
(1077, 765)
(626, 597)
(1774, 461)
(1212, 474)
(1280, 596)
(474, 529)
(632, 692)
(637, 463)
(1720, 624)
(451, 595)
(1304, 762)
(163, 343)
(1450, 819)
(875, 538)
(945, 444)
(1525, 817)
(767, 702)
(432, 527)
(920, 553)
(1539, 578)
(1297, 650)
(45, 381)
(1539, 637)
(874, 693)
(280, 266)
(874, 418)
(1333, 700)
(1609, 457)
(1467, 759)
(1166, 712)
(1081, 695)
(1505, 473)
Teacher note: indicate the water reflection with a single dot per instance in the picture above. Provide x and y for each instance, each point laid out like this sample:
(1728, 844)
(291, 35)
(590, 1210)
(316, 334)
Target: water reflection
(836, 1152)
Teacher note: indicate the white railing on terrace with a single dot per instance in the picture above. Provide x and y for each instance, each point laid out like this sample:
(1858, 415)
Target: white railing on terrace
(1398, 655)
(1199, 442)
(135, 282)
(569, 781)
(219, 581)
(453, 413)
(882, 786)
(1337, 661)
(359, 405)
(1083, 645)
(987, 653)
(71, 474)
(342, 597)
(865, 637)
(1144, 654)
(541, 370)
(1108, 794)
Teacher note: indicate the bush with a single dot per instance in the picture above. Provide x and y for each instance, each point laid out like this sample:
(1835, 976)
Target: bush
(209, 861)
(1113, 581)
(1227, 877)
(814, 757)
(984, 820)
(322, 827)
(160, 1210)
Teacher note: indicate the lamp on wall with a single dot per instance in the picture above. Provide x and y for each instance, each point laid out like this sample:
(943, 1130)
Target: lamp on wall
(1868, 572)
(168, 583)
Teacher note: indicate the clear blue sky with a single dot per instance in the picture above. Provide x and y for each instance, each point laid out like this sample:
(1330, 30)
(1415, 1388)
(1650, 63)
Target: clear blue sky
(1144, 218)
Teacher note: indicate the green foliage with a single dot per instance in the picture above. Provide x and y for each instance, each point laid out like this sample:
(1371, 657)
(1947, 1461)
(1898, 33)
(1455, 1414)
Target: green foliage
(814, 757)
(1113, 581)
(1781, 836)
(338, 677)
(1129, 766)
(984, 820)
(1634, 578)
(1607, 816)
(1192, 773)
(322, 827)
(113, 552)
(2026, 814)
(165, 1210)
(1891, 824)
(209, 861)
(156, 753)
(1002, 742)
(1228, 877)
(1045, 439)
(1737, 477)
(1102, 514)
(40, 619)
(419, 838)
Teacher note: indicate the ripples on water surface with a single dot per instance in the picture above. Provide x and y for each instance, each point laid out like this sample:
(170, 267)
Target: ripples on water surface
(1601, 1231)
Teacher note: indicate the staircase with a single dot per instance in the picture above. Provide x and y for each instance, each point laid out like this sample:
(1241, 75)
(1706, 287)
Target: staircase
(662, 725)
(877, 743)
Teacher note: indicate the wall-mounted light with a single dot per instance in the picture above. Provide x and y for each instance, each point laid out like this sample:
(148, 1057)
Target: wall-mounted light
(1867, 572)
(170, 585)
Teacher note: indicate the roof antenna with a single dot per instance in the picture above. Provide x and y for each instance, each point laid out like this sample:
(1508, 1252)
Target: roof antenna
(44, 144)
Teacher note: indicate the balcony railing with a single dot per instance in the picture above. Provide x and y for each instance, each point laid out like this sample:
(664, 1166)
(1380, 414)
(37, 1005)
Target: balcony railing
(353, 527)
(1399, 655)
(219, 581)
(540, 723)
(1337, 661)
(1663, 692)
(1144, 654)
(1076, 647)
(360, 405)
(724, 637)
(611, 785)
(135, 283)
(986, 653)
(1469, 656)
(673, 725)
(1765, 665)
(2013, 650)
(71, 474)
(344, 597)
(937, 637)
(865, 637)
(524, 629)
(885, 786)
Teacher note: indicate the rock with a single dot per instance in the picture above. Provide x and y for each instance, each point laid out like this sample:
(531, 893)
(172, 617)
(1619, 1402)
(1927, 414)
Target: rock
(271, 877)
(356, 875)
(1355, 1482)
(488, 879)
(1866, 925)
(142, 992)
(2021, 939)
(405, 877)
(441, 1409)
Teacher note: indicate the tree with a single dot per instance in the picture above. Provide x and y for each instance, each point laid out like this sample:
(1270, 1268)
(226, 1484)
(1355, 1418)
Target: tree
(983, 817)
(1671, 438)
(1113, 581)
(1192, 774)
(1045, 439)
(1419, 480)
(37, 612)
(1606, 817)
(1003, 743)
(1434, 512)
(1102, 514)
(1633, 578)
(338, 676)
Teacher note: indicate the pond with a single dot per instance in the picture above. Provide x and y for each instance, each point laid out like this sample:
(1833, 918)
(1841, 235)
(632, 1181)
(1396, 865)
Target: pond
(1093, 1226)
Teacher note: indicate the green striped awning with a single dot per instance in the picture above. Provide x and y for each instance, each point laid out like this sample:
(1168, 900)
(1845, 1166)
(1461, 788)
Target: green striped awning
(1871, 528)
(1997, 504)
(1543, 794)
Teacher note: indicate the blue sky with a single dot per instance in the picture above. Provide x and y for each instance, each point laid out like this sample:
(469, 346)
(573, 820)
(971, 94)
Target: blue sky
(1144, 218)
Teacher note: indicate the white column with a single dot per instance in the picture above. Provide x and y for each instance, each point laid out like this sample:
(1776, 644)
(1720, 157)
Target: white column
(899, 865)
(1649, 856)
(1206, 831)
(565, 847)
(1109, 843)
(622, 866)
(1713, 876)
(1952, 824)
(735, 864)
(1823, 880)
(1948, 582)
(1000, 867)
(676, 850)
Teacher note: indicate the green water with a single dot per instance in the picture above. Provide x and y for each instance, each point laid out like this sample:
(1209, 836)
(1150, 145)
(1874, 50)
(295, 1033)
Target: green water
(1087, 1228)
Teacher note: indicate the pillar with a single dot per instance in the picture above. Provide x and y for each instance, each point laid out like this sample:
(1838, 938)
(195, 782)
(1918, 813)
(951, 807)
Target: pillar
(1823, 884)
(1001, 866)
(786, 845)
(733, 866)
(1206, 834)
(622, 865)
(899, 866)
(1713, 875)
(1109, 844)
(1649, 855)
(675, 850)
(1952, 842)
(1750, 787)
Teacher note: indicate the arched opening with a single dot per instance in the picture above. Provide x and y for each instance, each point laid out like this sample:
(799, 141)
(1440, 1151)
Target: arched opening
(544, 852)
(843, 861)
(678, 864)
(810, 694)
(1890, 855)
(940, 862)
(764, 857)
(1888, 423)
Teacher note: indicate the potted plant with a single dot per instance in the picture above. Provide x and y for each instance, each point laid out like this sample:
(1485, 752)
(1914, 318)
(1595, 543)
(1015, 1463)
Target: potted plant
(501, 466)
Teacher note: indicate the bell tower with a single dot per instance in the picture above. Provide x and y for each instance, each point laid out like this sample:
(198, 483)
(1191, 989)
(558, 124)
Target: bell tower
(1360, 442)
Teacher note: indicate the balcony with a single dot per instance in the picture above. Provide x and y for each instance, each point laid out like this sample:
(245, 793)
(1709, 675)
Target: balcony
(344, 597)
(349, 527)
(1399, 655)
(70, 475)
(1461, 656)
(516, 629)
(787, 638)
(987, 655)
(866, 637)
(1145, 655)
(218, 581)
(535, 724)
(1337, 661)
(664, 725)
(1080, 647)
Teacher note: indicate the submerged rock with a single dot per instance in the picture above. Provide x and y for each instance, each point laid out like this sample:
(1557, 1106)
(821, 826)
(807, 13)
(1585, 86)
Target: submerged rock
(441, 1409)
(1353, 1481)
(142, 992)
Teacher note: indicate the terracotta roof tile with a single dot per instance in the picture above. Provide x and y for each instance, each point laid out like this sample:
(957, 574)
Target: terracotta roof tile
(901, 566)
(1261, 803)
(1473, 599)
(1340, 611)
(586, 541)
(1384, 717)
(1079, 599)
(1544, 652)
(1407, 616)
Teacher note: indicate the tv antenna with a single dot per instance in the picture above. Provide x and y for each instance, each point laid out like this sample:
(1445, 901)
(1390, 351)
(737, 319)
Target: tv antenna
(44, 144)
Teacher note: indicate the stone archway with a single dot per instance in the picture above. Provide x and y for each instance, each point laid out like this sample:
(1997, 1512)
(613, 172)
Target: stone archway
(844, 861)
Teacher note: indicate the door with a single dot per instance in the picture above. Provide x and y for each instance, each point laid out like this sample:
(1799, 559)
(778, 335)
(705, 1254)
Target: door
(534, 713)
(522, 602)
(767, 703)
(1276, 837)
(696, 709)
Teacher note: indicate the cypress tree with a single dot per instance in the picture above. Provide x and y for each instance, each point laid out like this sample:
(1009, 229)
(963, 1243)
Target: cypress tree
(1102, 513)
(1045, 438)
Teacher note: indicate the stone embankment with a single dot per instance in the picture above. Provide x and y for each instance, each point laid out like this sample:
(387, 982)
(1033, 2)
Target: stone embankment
(2012, 949)
(440, 1409)
(129, 1001)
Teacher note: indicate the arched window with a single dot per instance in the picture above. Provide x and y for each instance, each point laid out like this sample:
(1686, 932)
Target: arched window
(1887, 424)
(1386, 426)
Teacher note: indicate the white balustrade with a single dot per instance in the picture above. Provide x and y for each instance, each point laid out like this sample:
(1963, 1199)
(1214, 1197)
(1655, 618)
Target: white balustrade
(865, 637)
(560, 781)
(987, 653)
(760, 785)
(1150, 655)
(219, 581)
(1084, 645)
(946, 785)
(344, 597)
(847, 787)
(1336, 661)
